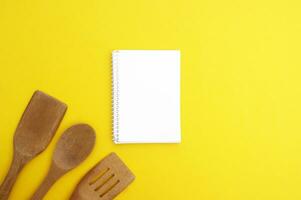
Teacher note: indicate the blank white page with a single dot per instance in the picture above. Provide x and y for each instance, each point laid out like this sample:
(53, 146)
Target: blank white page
(146, 96)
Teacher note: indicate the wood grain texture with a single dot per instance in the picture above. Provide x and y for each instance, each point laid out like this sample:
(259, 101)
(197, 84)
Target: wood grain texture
(36, 128)
(104, 181)
(73, 147)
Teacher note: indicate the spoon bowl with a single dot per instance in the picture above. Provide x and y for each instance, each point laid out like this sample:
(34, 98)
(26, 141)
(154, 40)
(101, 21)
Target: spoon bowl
(74, 146)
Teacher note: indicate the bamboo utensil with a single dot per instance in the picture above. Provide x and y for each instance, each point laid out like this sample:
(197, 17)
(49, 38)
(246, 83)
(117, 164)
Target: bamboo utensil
(105, 181)
(73, 147)
(36, 128)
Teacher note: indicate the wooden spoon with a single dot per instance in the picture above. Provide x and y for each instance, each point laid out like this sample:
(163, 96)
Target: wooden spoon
(33, 134)
(72, 148)
(104, 181)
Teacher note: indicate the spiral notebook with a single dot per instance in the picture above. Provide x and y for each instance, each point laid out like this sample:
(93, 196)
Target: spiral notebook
(146, 96)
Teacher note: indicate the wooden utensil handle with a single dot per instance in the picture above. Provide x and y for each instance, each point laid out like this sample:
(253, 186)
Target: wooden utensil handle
(53, 175)
(43, 189)
(15, 168)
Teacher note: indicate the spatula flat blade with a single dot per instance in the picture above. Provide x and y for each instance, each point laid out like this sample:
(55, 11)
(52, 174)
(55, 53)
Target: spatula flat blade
(105, 181)
(38, 124)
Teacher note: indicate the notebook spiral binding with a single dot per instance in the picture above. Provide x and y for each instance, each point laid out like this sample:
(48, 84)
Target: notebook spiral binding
(115, 97)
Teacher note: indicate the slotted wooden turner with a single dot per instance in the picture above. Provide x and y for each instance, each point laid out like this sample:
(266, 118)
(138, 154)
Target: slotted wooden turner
(105, 181)
(36, 128)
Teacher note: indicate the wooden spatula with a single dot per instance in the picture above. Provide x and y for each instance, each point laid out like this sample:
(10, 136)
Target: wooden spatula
(33, 134)
(73, 147)
(105, 181)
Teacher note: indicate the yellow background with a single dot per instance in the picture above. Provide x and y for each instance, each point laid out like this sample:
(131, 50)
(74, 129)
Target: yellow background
(241, 91)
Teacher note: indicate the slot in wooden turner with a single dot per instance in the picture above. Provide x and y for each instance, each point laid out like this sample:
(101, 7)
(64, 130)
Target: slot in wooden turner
(104, 181)
(36, 128)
